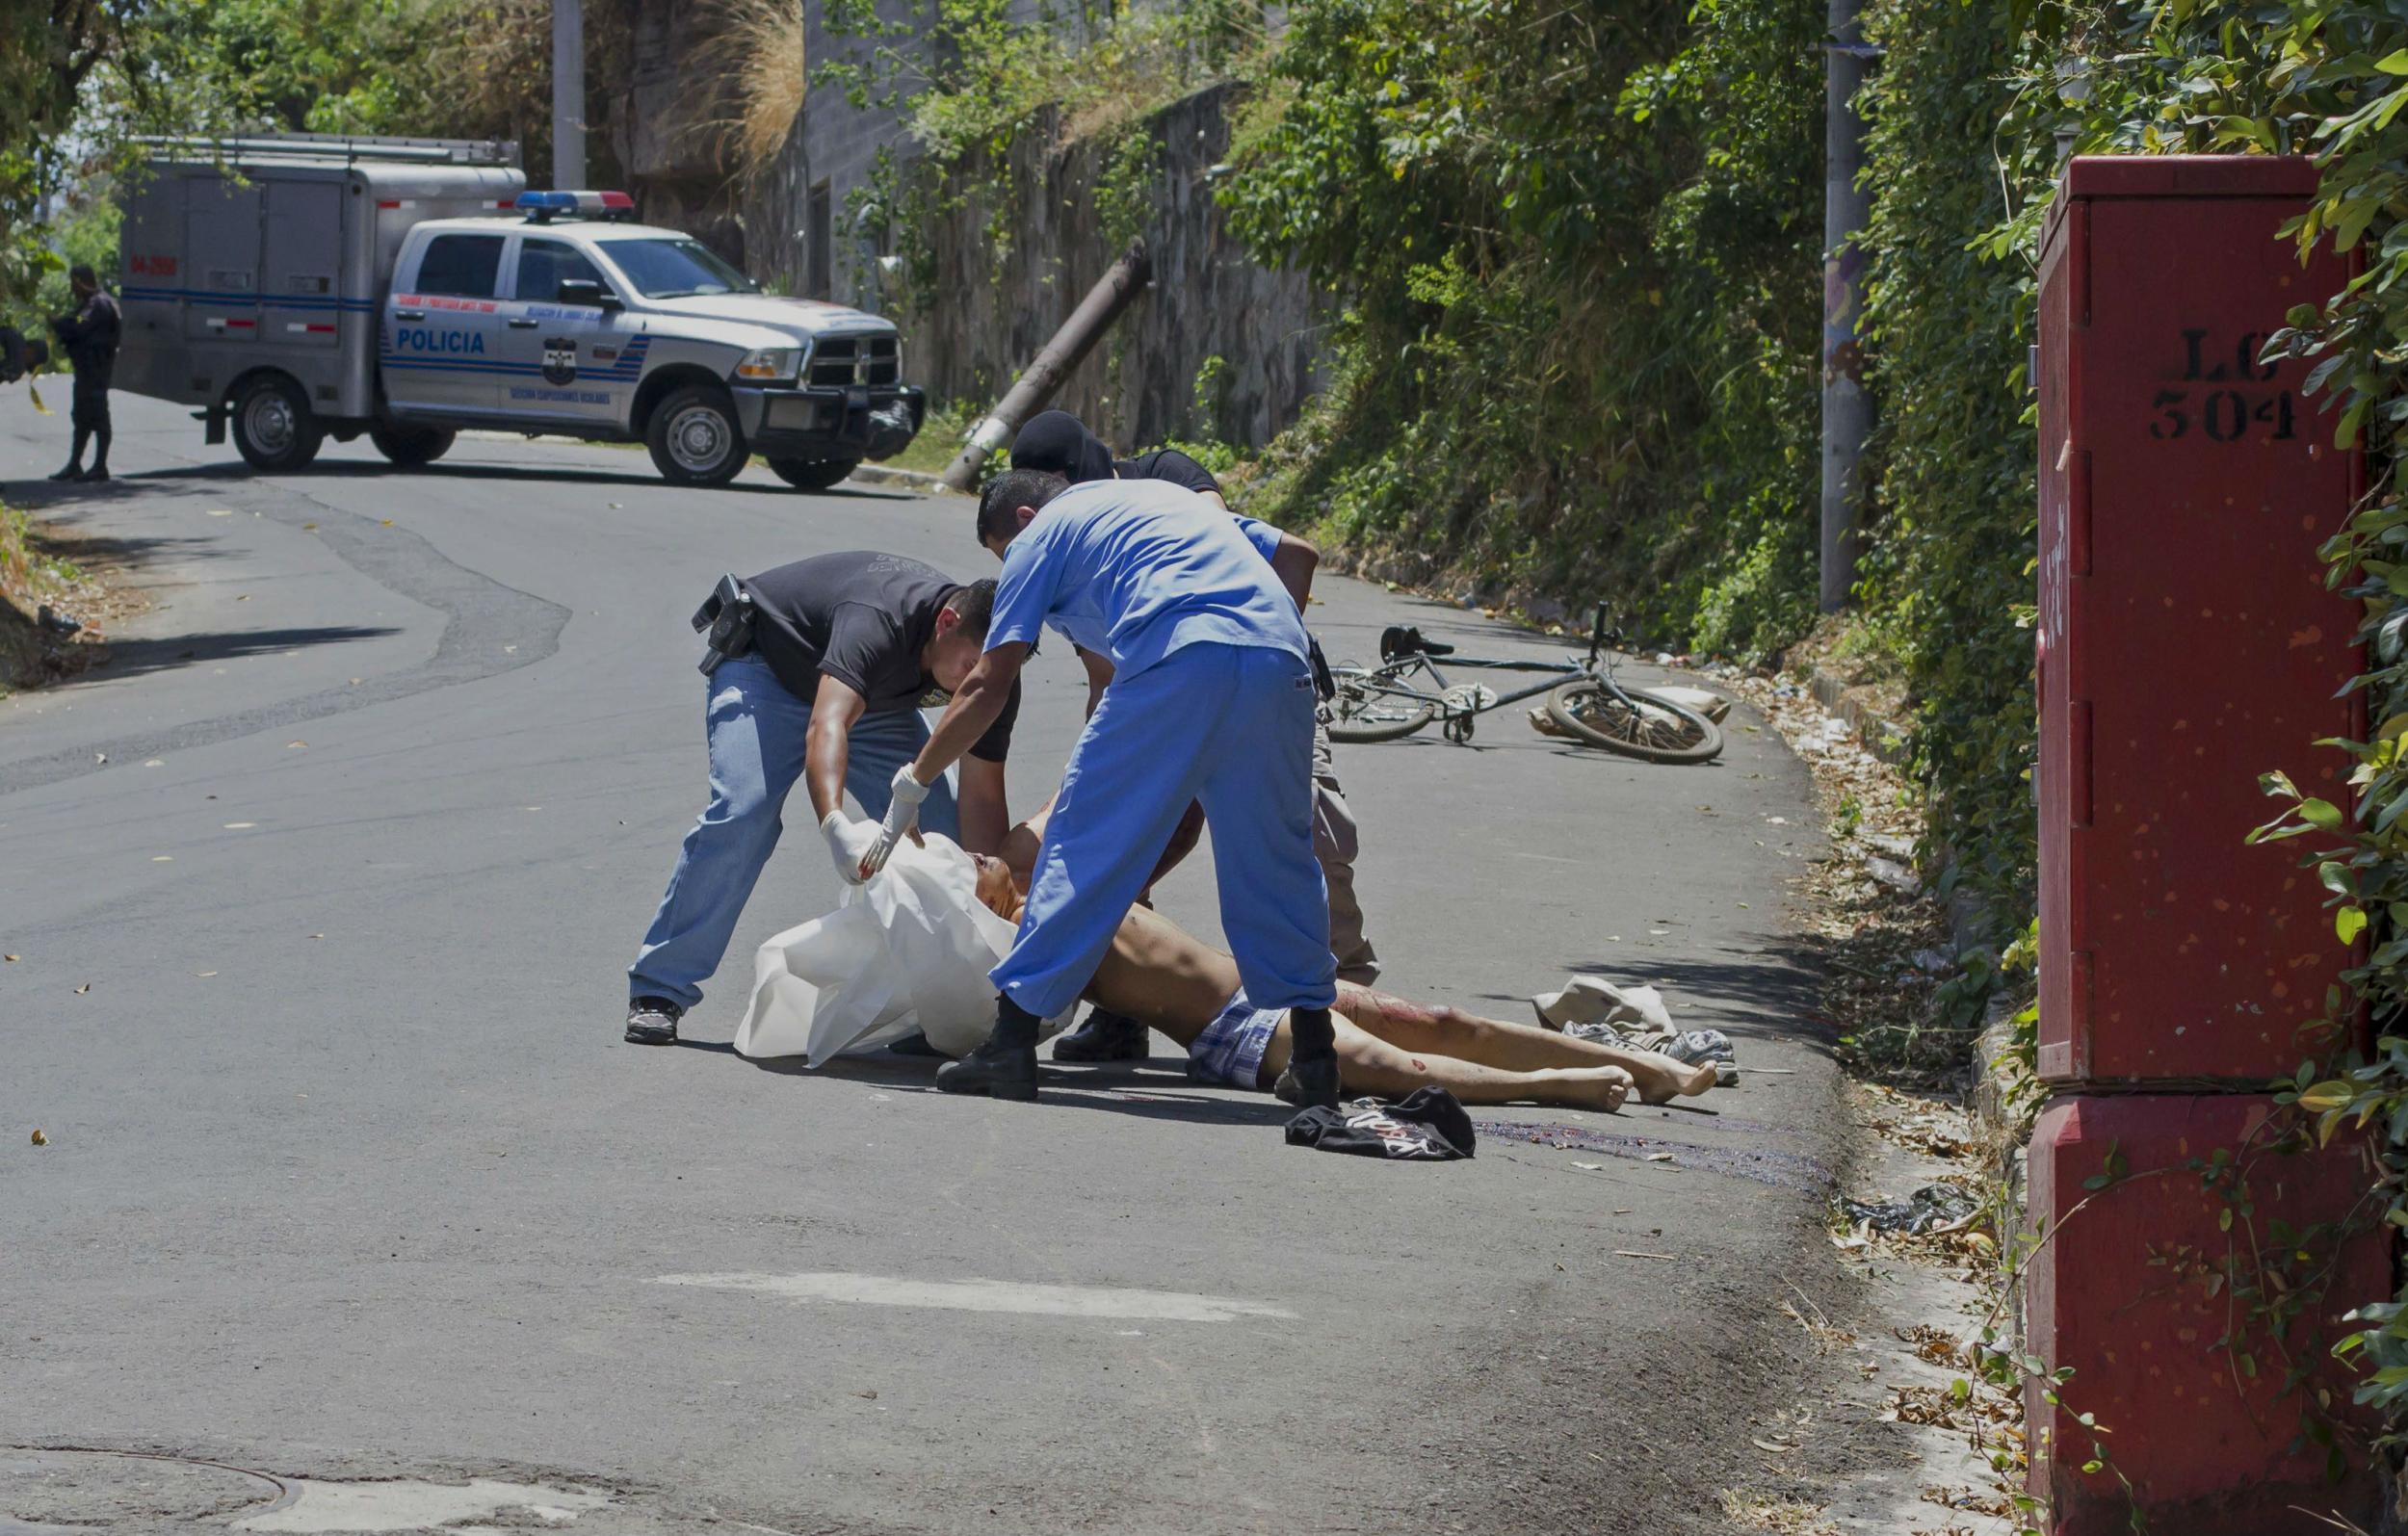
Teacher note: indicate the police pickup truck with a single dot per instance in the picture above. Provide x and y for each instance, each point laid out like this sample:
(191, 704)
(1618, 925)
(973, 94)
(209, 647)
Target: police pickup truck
(303, 287)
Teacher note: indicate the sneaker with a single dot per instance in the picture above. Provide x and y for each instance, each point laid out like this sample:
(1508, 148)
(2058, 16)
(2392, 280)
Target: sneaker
(1105, 1037)
(653, 1021)
(71, 472)
(94, 475)
(1000, 1071)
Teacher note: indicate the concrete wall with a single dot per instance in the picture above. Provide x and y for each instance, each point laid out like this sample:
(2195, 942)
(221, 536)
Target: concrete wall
(971, 336)
(981, 323)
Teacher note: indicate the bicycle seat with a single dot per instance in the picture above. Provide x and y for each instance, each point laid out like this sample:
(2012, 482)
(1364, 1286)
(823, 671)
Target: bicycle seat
(1404, 640)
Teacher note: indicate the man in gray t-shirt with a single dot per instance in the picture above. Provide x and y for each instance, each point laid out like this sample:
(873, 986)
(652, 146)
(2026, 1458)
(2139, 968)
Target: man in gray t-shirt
(845, 649)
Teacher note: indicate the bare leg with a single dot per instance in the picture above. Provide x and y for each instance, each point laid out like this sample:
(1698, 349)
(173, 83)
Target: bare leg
(1369, 1064)
(1424, 1027)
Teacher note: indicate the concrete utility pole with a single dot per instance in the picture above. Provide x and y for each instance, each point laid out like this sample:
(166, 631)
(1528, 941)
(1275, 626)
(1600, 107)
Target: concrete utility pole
(1118, 289)
(569, 94)
(1847, 409)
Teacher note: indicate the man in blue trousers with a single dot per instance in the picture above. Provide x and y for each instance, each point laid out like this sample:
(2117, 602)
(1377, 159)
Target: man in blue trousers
(822, 682)
(1210, 699)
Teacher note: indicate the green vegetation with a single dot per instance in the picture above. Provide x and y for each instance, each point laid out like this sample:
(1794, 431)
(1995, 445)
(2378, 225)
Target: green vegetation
(1578, 252)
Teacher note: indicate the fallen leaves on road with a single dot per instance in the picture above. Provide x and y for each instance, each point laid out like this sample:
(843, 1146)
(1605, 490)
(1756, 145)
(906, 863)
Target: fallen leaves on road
(221, 511)
(86, 987)
(289, 745)
(40, 1138)
(11, 958)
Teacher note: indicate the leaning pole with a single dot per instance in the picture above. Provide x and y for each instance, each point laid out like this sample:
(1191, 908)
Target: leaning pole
(1053, 363)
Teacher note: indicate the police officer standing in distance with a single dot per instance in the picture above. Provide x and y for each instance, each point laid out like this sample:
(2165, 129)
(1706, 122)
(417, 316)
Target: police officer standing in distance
(817, 671)
(89, 337)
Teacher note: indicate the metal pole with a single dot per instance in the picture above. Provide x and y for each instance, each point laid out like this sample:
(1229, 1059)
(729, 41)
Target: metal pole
(1054, 362)
(569, 94)
(1847, 409)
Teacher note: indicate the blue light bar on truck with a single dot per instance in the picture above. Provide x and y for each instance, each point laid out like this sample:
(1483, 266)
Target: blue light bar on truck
(542, 206)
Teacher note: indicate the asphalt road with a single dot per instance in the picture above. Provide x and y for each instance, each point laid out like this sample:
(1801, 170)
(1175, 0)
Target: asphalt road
(315, 987)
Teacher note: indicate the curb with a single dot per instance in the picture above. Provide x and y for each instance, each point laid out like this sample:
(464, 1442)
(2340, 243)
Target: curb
(901, 479)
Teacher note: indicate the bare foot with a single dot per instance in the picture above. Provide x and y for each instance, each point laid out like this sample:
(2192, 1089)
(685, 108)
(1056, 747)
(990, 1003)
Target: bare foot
(1602, 1087)
(1663, 1080)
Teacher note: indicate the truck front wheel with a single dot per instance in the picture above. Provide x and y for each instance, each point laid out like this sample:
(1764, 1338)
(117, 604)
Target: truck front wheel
(410, 447)
(813, 474)
(275, 428)
(695, 437)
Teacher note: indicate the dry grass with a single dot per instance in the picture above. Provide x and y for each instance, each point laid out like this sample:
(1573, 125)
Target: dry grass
(755, 47)
(1785, 1517)
(37, 567)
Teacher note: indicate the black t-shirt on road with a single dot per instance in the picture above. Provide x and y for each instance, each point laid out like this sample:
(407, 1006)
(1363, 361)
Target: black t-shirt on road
(862, 618)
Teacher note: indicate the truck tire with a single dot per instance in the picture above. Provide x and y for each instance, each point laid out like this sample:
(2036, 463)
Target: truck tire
(274, 430)
(411, 447)
(695, 437)
(813, 474)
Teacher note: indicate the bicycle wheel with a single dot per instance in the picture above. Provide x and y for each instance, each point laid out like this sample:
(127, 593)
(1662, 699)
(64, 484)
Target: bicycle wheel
(1369, 707)
(1658, 729)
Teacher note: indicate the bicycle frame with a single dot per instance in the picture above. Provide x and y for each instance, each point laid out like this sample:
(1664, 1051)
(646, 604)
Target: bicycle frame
(1449, 714)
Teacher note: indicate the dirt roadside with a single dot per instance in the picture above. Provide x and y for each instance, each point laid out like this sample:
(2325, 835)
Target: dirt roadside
(61, 598)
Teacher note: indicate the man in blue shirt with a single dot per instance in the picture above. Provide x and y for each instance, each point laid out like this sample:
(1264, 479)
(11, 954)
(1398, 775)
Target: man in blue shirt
(1198, 617)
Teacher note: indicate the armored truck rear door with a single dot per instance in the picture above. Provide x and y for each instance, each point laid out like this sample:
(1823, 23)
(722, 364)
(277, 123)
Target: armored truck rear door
(301, 290)
(222, 235)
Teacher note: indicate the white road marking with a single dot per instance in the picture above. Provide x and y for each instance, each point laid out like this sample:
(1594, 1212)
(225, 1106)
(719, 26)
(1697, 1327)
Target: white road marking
(404, 1504)
(989, 1295)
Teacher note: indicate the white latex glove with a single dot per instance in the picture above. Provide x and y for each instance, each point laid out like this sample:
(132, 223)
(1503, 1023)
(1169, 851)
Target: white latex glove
(850, 844)
(903, 815)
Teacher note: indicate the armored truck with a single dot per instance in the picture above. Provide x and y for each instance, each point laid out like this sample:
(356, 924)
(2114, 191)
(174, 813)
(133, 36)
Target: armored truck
(302, 287)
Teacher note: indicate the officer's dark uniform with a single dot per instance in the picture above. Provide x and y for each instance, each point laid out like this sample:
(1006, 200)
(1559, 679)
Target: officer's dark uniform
(89, 339)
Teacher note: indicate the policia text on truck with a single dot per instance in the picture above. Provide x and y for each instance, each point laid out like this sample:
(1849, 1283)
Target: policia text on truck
(303, 287)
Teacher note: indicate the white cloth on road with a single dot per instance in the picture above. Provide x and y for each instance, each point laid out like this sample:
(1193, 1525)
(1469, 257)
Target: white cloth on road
(908, 951)
(1594, 999)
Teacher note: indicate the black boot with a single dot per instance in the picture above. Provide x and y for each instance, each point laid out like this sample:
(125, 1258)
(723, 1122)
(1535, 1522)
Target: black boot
(74, 471)
(1312, 1075)
(1104, 1037)
(1004, 1065)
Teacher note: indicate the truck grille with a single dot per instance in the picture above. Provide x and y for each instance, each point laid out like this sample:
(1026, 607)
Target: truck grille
(855, 360)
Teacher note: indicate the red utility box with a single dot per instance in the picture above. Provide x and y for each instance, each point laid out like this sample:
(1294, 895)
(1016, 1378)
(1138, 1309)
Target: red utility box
(2188, 641)
(2134, 1293)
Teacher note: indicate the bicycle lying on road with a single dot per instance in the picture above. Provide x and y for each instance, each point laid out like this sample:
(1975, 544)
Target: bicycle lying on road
(1406, 692)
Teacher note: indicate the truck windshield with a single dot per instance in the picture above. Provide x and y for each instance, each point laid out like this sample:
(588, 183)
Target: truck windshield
(675, 269)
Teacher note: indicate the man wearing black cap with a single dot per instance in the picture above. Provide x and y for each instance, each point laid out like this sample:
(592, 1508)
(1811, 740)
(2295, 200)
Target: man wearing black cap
(1058, 441)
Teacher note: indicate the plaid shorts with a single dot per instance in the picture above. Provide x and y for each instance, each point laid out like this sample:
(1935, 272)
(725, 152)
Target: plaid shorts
(1230, 1049)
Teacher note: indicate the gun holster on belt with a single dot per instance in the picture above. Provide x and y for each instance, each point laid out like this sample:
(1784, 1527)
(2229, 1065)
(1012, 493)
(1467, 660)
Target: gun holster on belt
(725, 621)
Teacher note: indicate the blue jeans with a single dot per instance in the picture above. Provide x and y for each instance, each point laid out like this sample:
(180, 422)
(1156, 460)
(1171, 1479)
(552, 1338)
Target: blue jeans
(756, 728)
